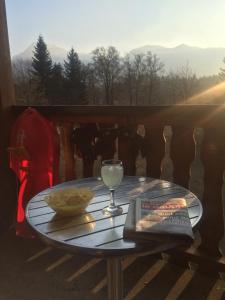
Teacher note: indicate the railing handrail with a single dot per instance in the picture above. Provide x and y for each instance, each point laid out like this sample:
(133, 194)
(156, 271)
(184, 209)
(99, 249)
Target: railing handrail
(196, 115)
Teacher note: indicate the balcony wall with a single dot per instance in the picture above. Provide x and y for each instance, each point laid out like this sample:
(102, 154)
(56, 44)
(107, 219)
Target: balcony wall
(183, 144)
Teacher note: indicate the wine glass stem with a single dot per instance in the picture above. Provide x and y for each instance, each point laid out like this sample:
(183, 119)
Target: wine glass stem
(112, 200)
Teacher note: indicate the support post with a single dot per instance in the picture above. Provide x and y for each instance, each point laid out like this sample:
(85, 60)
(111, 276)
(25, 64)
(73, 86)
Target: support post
(115, 278)
(7, 98)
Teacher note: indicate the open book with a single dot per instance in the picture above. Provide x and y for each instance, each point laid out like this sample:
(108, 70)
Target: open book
(158, 219)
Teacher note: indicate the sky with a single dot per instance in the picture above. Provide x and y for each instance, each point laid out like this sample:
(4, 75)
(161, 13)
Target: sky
(125, 24)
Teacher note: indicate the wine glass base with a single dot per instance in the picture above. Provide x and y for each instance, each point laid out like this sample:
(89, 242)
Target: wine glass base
(112, 210)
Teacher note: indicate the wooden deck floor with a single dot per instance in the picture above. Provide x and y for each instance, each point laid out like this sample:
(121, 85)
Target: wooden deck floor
(54, 275)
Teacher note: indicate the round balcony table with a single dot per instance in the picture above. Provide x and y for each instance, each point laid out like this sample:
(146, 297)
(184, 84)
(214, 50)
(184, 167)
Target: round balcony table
(96, 234)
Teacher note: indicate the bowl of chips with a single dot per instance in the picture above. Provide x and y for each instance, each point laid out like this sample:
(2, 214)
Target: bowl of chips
(69, 201)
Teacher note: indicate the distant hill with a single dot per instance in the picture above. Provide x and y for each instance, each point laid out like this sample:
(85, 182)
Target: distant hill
(58, 54)
(202, 61)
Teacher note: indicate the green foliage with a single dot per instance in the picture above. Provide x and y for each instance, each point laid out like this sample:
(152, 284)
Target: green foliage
(56, 87)
(137, 79)
(74, 79)
(41, 65)
(72, 66)
(41, 61)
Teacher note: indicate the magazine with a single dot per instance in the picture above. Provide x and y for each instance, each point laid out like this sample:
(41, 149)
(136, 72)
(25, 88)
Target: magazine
(164, 220)
(168, 216)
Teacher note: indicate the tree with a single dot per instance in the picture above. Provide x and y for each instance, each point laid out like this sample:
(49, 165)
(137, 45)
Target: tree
(188, 82)
(91, 84)
(152, 67)
(107, 65)
(27, 90)
(170, 89)
(42, 64)
(56, 85)
(222, 72)
(74, 79)
(139, 75)
(128, 75)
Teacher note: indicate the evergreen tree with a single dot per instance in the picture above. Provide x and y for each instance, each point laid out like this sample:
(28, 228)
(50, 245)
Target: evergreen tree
(74, 79)
(42, 64)
(56, 85)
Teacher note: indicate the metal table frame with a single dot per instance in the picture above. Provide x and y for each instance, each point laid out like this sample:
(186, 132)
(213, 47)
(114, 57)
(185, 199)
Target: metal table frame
(38, 210)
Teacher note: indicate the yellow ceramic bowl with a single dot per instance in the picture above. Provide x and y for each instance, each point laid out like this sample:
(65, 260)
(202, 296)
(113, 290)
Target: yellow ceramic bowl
(69, 201)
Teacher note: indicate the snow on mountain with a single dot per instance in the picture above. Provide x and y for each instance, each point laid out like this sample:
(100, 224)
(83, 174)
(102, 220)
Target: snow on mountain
(202, 61)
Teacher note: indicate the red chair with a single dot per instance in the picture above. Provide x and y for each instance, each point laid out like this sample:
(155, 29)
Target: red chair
(34, 157)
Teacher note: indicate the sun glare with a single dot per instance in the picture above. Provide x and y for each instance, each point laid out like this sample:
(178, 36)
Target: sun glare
(209, 96)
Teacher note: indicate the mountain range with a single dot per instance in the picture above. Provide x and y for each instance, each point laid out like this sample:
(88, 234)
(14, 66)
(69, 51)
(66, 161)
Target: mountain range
(202, 61)
(58, 54)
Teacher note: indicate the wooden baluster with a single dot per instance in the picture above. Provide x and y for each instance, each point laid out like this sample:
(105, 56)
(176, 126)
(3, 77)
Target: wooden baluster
(141, 162)
(141, 130)
(98, 161)
(61, 158)
(213, 157)
(196, 181)
(56, 167)
(126, 151)
(68, 148)
(167, 163)
(155, 150)
(182, 153)
(107, 141)
(97, 166)
(116, 154)
(222, 241)
(78, 166)
(78, 160)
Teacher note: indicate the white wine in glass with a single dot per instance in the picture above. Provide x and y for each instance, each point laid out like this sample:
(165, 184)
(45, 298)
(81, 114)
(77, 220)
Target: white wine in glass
(112, 175)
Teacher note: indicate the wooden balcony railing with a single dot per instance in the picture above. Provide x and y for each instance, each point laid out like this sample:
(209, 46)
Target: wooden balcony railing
(184, 144)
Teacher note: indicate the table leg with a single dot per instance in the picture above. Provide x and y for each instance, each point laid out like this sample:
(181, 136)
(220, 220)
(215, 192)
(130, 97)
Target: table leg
(115, 278)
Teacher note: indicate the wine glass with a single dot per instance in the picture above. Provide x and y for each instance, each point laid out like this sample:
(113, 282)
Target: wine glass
(112, 175)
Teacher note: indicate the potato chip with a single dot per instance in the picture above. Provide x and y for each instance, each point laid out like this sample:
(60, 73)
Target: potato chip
(69, 201)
